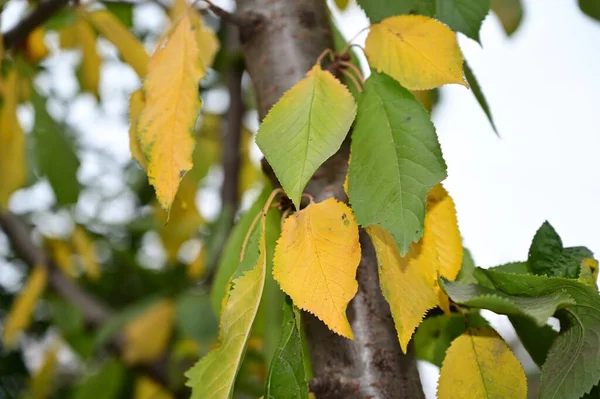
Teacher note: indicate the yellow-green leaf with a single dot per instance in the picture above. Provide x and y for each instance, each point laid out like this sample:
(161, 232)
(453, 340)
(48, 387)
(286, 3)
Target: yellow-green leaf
(35, 48)
(342, 4)
(130, 48)
(407, 282)
(208, 43)
(166, 126)
(84, 246)
(306, 127)
(91, 61)
(478, 365)
(213, 377)
(316, 260)
(20, 313)
(147, 335)
(13, 172)
(419, 52)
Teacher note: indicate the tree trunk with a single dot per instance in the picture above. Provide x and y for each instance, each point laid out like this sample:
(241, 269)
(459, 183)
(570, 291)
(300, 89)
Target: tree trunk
(281, 43)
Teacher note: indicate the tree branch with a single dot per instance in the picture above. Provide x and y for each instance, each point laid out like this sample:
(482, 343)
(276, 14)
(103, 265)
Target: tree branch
(280, 48)
(226, 16)
(37, 17)
(95, 313)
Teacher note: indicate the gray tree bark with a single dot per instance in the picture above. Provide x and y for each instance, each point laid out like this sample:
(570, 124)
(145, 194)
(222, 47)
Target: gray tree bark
(281, 41)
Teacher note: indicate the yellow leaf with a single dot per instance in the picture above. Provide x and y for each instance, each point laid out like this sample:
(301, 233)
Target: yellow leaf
(478, 365)
(23, 306)
(419, 52)
(197, 267)
(425, 97)
(42, 381)
(407, 282)
(13, 173)
(61, 254)
(316, 260)
(145, 388)
(91, 61)
(208, 43)
(442, 235)
(147, 335)
(166, 126)
(136, 106)
(35, 48)
(183, 221)
(84, 246)
(130, 48)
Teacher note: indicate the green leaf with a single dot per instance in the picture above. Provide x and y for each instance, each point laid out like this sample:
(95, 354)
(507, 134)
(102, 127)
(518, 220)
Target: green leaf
(60, 19)
(435, 334)
(465, 274)
(55, 156)
(536, 339)
(591, 8)
(287, 378)
(510, 13)
(463, 16)
(548, 257)
(214, 375)
(122, 10)
(304, 128)
(539, 308)
(474, 84)
(396, 160)
(377, 10)
(572, 367)
(108, 380)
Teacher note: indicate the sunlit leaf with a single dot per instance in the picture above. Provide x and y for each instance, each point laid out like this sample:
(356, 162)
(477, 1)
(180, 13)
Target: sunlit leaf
(396, 160)
(136, 106)
(316, 260)
(13, 168)
(20, 313)
(165, 127)
(478, 365)
(420, 52)
(129, 47)
(213, 377)
(147, 335)
(304, 128)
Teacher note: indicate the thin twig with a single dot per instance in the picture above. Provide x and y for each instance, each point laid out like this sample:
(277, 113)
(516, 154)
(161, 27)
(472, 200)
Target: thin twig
(354, 68)
(226, 15)
(37, 17)
(353, 80)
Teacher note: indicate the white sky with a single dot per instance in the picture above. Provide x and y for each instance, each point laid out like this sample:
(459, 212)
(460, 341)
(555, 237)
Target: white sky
(542, 85)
